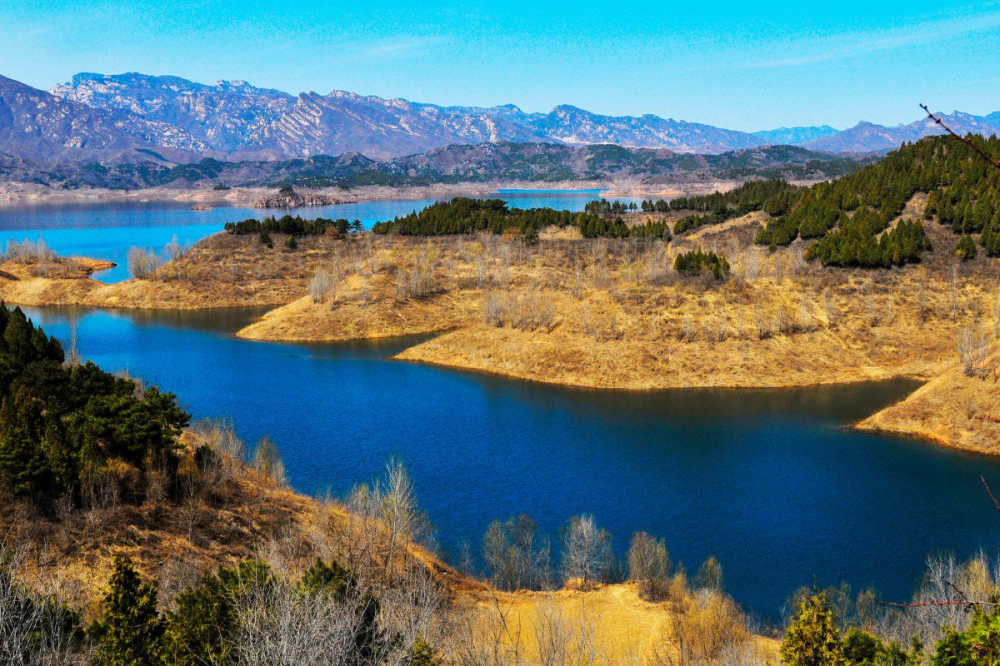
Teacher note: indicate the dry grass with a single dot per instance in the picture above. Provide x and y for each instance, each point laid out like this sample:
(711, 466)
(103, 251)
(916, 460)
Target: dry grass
(952, 409)
(612, 624)
(592, 313)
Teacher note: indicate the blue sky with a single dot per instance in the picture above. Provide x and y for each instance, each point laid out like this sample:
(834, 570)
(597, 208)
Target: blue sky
(745, 66)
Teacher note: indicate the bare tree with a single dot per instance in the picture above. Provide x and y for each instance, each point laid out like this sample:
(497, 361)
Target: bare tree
(142, 264)
(175, 250)
(649, 566)
(320, 284)
(516, 556)
(73, 357)
(586, 550)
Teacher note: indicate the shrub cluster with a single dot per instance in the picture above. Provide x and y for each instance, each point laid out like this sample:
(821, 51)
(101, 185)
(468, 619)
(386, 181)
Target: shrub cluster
(696, 261)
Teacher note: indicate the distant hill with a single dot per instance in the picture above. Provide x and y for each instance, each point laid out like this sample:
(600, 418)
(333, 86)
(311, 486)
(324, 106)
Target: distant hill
(235, 117)
(226, 116)
(868, 137)
(37, 125)
(488, 162)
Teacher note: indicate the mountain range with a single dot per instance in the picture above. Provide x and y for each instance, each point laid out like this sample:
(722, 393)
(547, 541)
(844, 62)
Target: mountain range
(168, 120)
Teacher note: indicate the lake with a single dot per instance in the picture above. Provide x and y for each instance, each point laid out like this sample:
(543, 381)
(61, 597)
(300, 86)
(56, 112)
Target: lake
(769, 481)
(107, 231)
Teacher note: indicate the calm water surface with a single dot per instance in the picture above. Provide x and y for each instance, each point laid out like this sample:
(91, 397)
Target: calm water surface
(770, 482)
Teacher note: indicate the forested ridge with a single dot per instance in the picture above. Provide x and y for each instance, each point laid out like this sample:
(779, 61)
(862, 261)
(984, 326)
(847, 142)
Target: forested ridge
(850, 217)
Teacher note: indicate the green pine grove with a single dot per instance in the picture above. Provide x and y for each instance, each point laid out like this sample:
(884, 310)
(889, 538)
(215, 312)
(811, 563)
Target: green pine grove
(66, 430)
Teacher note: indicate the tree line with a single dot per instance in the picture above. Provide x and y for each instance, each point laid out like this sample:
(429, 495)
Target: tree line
(604, 207)
(292, 227)
(469, 216)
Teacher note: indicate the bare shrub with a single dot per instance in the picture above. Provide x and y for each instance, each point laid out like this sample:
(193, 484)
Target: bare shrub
(35, 628)
(494, 309)
(705, 627)
(996, 316)
(649, 566)
(267, 461)
(489, 636)
(143, 264)
(229, 451)
(972, 352)
(687, 329)
(762, 321)
(279, 626)
(553, 635)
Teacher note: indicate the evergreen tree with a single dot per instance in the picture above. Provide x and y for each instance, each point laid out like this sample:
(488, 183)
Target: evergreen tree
(130, 632)
(978, 645)
(422, 654)
(966, 248)
(24, 467)
(813, 638)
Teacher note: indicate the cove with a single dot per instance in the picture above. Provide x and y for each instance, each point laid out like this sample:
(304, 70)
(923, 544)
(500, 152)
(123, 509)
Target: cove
(768, 481)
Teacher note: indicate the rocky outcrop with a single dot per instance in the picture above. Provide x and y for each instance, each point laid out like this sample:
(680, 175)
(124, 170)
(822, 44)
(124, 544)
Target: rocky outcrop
(289, 198)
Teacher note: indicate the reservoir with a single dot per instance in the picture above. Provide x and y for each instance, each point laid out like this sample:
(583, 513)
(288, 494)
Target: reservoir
(771, 482)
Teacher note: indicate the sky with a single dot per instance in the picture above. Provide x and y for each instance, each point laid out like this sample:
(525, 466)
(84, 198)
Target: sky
(745, 66)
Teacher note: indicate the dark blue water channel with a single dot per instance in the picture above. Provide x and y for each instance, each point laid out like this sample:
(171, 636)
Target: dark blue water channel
(768, 481)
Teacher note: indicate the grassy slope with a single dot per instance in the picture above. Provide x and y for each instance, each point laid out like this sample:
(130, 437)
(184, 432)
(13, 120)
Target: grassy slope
(952, 409)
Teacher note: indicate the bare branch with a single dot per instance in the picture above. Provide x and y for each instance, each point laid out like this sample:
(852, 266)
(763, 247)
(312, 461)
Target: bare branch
(963, 139)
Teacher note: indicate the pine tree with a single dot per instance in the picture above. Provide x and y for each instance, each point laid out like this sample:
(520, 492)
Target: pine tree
(130, 632)
(813, 638)
(24, 467)
(966, 248)
(422, 654)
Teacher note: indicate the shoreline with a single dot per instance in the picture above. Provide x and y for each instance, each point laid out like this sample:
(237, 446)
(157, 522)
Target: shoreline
(29, 194)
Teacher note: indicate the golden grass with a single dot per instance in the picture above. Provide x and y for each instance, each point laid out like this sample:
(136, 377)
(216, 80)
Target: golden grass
(592, 313)
(952, 409)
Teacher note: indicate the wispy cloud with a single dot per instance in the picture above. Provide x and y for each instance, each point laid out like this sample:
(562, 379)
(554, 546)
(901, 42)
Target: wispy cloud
(398, 48)
(842, 47)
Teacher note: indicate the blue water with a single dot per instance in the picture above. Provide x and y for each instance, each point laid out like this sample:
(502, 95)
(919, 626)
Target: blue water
(108, 230)
(770, 482)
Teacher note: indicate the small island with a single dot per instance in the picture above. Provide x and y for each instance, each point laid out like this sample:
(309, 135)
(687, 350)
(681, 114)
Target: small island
(287, 197)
